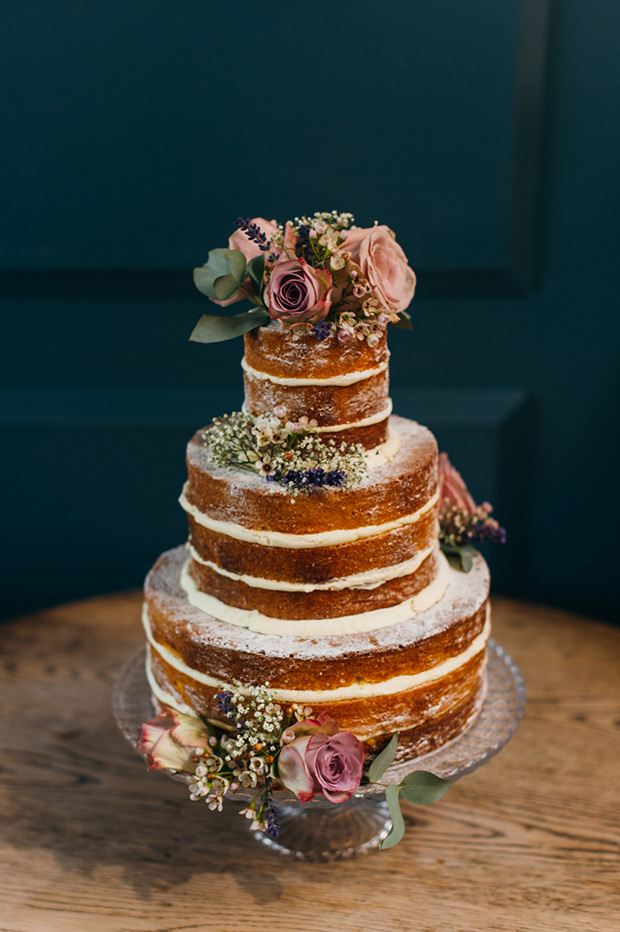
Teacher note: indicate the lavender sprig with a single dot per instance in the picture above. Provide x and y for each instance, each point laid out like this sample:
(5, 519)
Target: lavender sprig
(321, 330)
(488, 529)
(229, 709)
(304, 246)
(254, 233)
(268, 810)
(316, 477)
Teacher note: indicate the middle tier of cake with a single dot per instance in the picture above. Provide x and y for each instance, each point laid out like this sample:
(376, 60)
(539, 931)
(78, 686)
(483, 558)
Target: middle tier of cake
(257, 558)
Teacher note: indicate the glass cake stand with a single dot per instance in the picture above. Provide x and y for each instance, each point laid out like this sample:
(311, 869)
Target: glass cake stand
(320, 830)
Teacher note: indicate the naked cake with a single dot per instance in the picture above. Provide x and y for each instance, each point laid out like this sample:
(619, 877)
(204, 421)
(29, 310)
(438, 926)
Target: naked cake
(313, 563)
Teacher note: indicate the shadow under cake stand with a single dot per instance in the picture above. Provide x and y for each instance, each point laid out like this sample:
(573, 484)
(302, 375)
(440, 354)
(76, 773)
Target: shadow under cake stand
(320, 830)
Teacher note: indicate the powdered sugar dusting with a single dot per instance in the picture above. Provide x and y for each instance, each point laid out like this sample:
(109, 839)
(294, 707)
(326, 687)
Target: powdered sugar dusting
(465, 595)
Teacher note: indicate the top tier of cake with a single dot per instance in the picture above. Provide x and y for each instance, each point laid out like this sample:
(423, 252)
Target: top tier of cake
(342, 386)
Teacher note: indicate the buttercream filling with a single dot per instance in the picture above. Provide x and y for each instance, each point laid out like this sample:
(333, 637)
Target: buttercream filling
(301, 541)
(310, 627)
(384, 452)
(367, 580)
(357, 690)
(346, 378)
(363, 422)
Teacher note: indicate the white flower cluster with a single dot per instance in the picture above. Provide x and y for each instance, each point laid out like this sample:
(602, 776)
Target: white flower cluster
(321, 219)
(287, 452)
(243, 758)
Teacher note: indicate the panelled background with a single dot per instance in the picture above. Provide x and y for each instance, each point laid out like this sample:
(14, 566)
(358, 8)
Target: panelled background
(133, 135)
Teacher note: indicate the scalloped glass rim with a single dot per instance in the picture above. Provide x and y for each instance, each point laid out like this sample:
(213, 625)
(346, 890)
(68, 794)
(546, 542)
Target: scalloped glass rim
(494, 726)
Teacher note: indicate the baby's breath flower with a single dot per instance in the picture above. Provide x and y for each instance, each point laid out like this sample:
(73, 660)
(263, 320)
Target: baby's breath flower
(289, 453)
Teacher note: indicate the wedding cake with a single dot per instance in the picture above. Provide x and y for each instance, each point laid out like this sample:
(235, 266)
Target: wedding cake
(313, 565)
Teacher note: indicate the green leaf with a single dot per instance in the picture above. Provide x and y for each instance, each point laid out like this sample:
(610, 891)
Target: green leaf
(383, 760)
(466, 555)
(422, 787)
(221, 274)
(256, 270)
(398, 823)
(213, 329)
(403, 322)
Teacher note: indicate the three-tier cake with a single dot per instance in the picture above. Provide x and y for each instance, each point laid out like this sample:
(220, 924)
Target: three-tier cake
(335, 595)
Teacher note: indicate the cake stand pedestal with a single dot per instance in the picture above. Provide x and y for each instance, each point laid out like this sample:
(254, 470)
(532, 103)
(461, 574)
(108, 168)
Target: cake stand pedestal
(322, 831)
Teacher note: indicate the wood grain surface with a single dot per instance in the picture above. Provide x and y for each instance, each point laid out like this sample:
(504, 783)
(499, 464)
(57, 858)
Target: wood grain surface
(91, 842)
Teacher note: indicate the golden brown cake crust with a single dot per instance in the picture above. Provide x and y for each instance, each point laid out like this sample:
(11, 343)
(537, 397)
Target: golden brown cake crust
(330, 405)
(432, 713)
(294, 355)
(319, 564)
(227, 652)
(321, 603)
(399, 488)
(272, 355)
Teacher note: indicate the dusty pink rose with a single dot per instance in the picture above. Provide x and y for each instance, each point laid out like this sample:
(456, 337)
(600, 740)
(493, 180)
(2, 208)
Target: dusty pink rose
(169, 739)
(238, 240)
(383, 263)
(452, 488)
(297, 292)
(317, 758)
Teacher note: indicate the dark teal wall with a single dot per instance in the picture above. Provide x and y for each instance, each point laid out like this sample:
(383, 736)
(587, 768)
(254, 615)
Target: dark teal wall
(486, 134)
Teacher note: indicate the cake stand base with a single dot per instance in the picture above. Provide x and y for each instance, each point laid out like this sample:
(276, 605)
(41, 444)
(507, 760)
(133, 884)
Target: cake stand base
(329, 834)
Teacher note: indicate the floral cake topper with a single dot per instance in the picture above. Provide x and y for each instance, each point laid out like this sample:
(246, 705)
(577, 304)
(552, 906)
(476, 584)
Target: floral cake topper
(320, 275)
(262, 748)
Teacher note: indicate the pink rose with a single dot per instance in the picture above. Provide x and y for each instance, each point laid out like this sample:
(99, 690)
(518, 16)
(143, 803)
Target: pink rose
(336, 764)
(317, 758)
(297, 292)
(250, 249)
(169, 739)
(452, 488)
(352, 241)
(383, 263)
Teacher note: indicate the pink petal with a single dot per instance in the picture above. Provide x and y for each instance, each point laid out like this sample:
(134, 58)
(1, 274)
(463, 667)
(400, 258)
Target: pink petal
(152, 731)
(452, 486)
(169, 755)
(292, 770)
(334, 797)
(190, 731)
(324, 725)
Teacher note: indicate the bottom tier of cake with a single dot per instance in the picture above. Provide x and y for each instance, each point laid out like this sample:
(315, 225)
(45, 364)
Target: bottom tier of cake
(423, 677)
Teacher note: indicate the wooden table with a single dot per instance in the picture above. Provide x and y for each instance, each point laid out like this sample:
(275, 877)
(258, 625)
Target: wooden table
(91, 842)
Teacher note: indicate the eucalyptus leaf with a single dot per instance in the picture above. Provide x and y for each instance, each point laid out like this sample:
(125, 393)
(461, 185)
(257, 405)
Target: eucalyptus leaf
(222, 274)
(256, 270)
(213, 329)
(403, 322)
(422, 787)
(383, 760)
(466, 556)
(398, 823)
